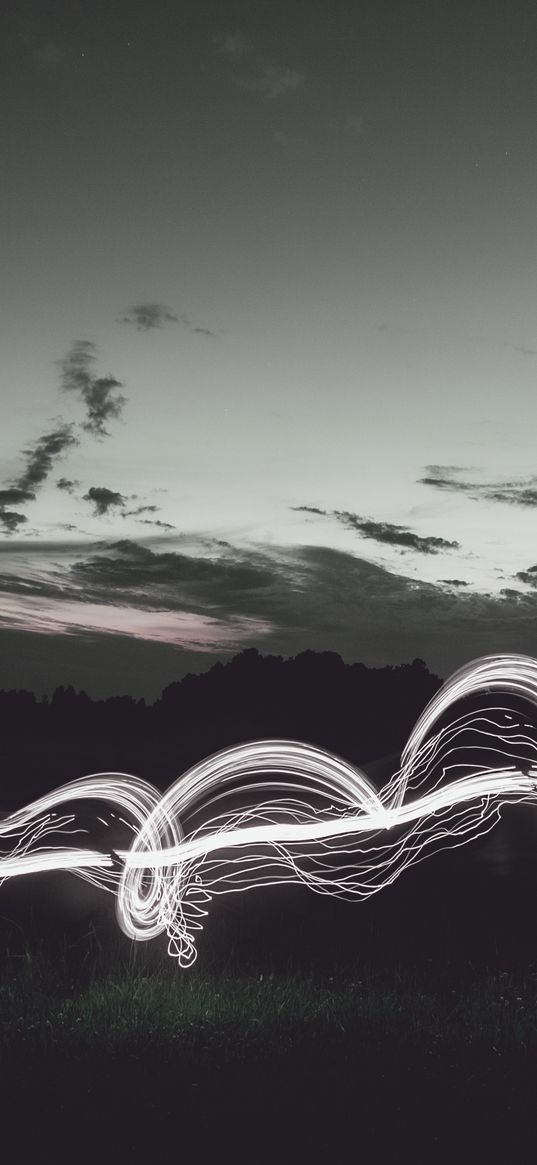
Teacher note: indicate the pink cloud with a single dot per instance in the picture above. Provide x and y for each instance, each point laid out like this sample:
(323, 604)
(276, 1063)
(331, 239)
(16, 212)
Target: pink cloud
(183, 628)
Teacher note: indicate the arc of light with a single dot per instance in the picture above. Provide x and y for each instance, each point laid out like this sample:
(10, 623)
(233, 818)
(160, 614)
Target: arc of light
(164, 873)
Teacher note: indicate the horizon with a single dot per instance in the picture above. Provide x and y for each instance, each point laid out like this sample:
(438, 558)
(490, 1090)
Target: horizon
(45, 697)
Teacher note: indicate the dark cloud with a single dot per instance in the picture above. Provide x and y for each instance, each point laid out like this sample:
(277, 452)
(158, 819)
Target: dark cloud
(11, 520)
(446, 483)
(528, 576)
(157, 522)
(386, 532)
(103, 404)
(43, 454)
(98, 393)
(453, 582)
(142, 510)
(146, 316)
(513, 493)
(14, 495)
(308, 597)
(103, 499)
(170, 579)
(393, 535)
(67, 485)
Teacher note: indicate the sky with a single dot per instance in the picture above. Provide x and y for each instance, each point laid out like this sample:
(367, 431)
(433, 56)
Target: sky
(269, 336)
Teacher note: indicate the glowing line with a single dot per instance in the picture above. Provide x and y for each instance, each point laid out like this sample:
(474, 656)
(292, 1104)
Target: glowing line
(307, 816)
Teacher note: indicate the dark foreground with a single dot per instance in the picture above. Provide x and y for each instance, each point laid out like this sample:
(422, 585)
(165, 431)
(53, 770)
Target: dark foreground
(112, 1059)
(402, 1029)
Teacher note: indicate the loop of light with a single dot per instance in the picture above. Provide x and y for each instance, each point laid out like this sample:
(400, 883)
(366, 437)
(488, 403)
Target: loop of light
(306, 815)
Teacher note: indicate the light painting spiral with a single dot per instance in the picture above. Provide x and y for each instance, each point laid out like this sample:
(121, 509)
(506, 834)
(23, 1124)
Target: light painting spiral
(275, 811)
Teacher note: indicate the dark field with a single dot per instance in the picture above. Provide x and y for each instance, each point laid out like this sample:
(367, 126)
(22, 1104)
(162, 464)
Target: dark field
(307, 1029)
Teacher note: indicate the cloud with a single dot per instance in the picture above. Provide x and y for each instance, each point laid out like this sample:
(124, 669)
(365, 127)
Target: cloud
(103, 499)
(43, 454)
(272, 81)
(171, 578)
(198, 331)
(393, 535)
(291, 599)
(521, 492)
(14, 495)
(11, 520)
(142, 510)
(40, 458)
(146, 316)
(528, 576)
(453, 582)
(68, 486)
(98, 393)
(157, 522)
(385, 532)
(521, 349)
(233, 44)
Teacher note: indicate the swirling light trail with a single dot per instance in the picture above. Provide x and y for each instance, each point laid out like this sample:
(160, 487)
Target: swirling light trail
(306, 815)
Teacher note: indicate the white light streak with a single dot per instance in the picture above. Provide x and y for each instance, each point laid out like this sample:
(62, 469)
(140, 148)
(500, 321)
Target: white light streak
(290, 812)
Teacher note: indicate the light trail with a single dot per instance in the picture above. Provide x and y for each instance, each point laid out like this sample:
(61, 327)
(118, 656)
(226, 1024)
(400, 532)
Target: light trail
(304, 816)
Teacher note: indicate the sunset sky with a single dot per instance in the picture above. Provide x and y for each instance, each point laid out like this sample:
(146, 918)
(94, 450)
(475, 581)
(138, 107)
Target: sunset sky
(269, 335)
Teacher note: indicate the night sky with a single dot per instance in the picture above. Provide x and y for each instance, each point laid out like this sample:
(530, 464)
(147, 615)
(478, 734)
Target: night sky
(269, 335)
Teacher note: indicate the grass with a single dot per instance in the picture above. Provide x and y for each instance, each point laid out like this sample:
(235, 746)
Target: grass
(127, 1000)
(108, 1048)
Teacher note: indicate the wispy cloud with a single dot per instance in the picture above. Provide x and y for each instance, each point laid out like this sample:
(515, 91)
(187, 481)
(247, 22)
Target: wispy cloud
(253, 72)
(43, 454)
(145, 509)
(384, 532)
(201, 331)
(272, 81)
(40, 457)
(146, 316)
(521, 492)
(233, 44)
(99, 393)
(392, 535)
(156, 522)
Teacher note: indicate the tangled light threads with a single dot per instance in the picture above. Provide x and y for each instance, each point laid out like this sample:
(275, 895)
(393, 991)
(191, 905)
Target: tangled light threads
(305, 815)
